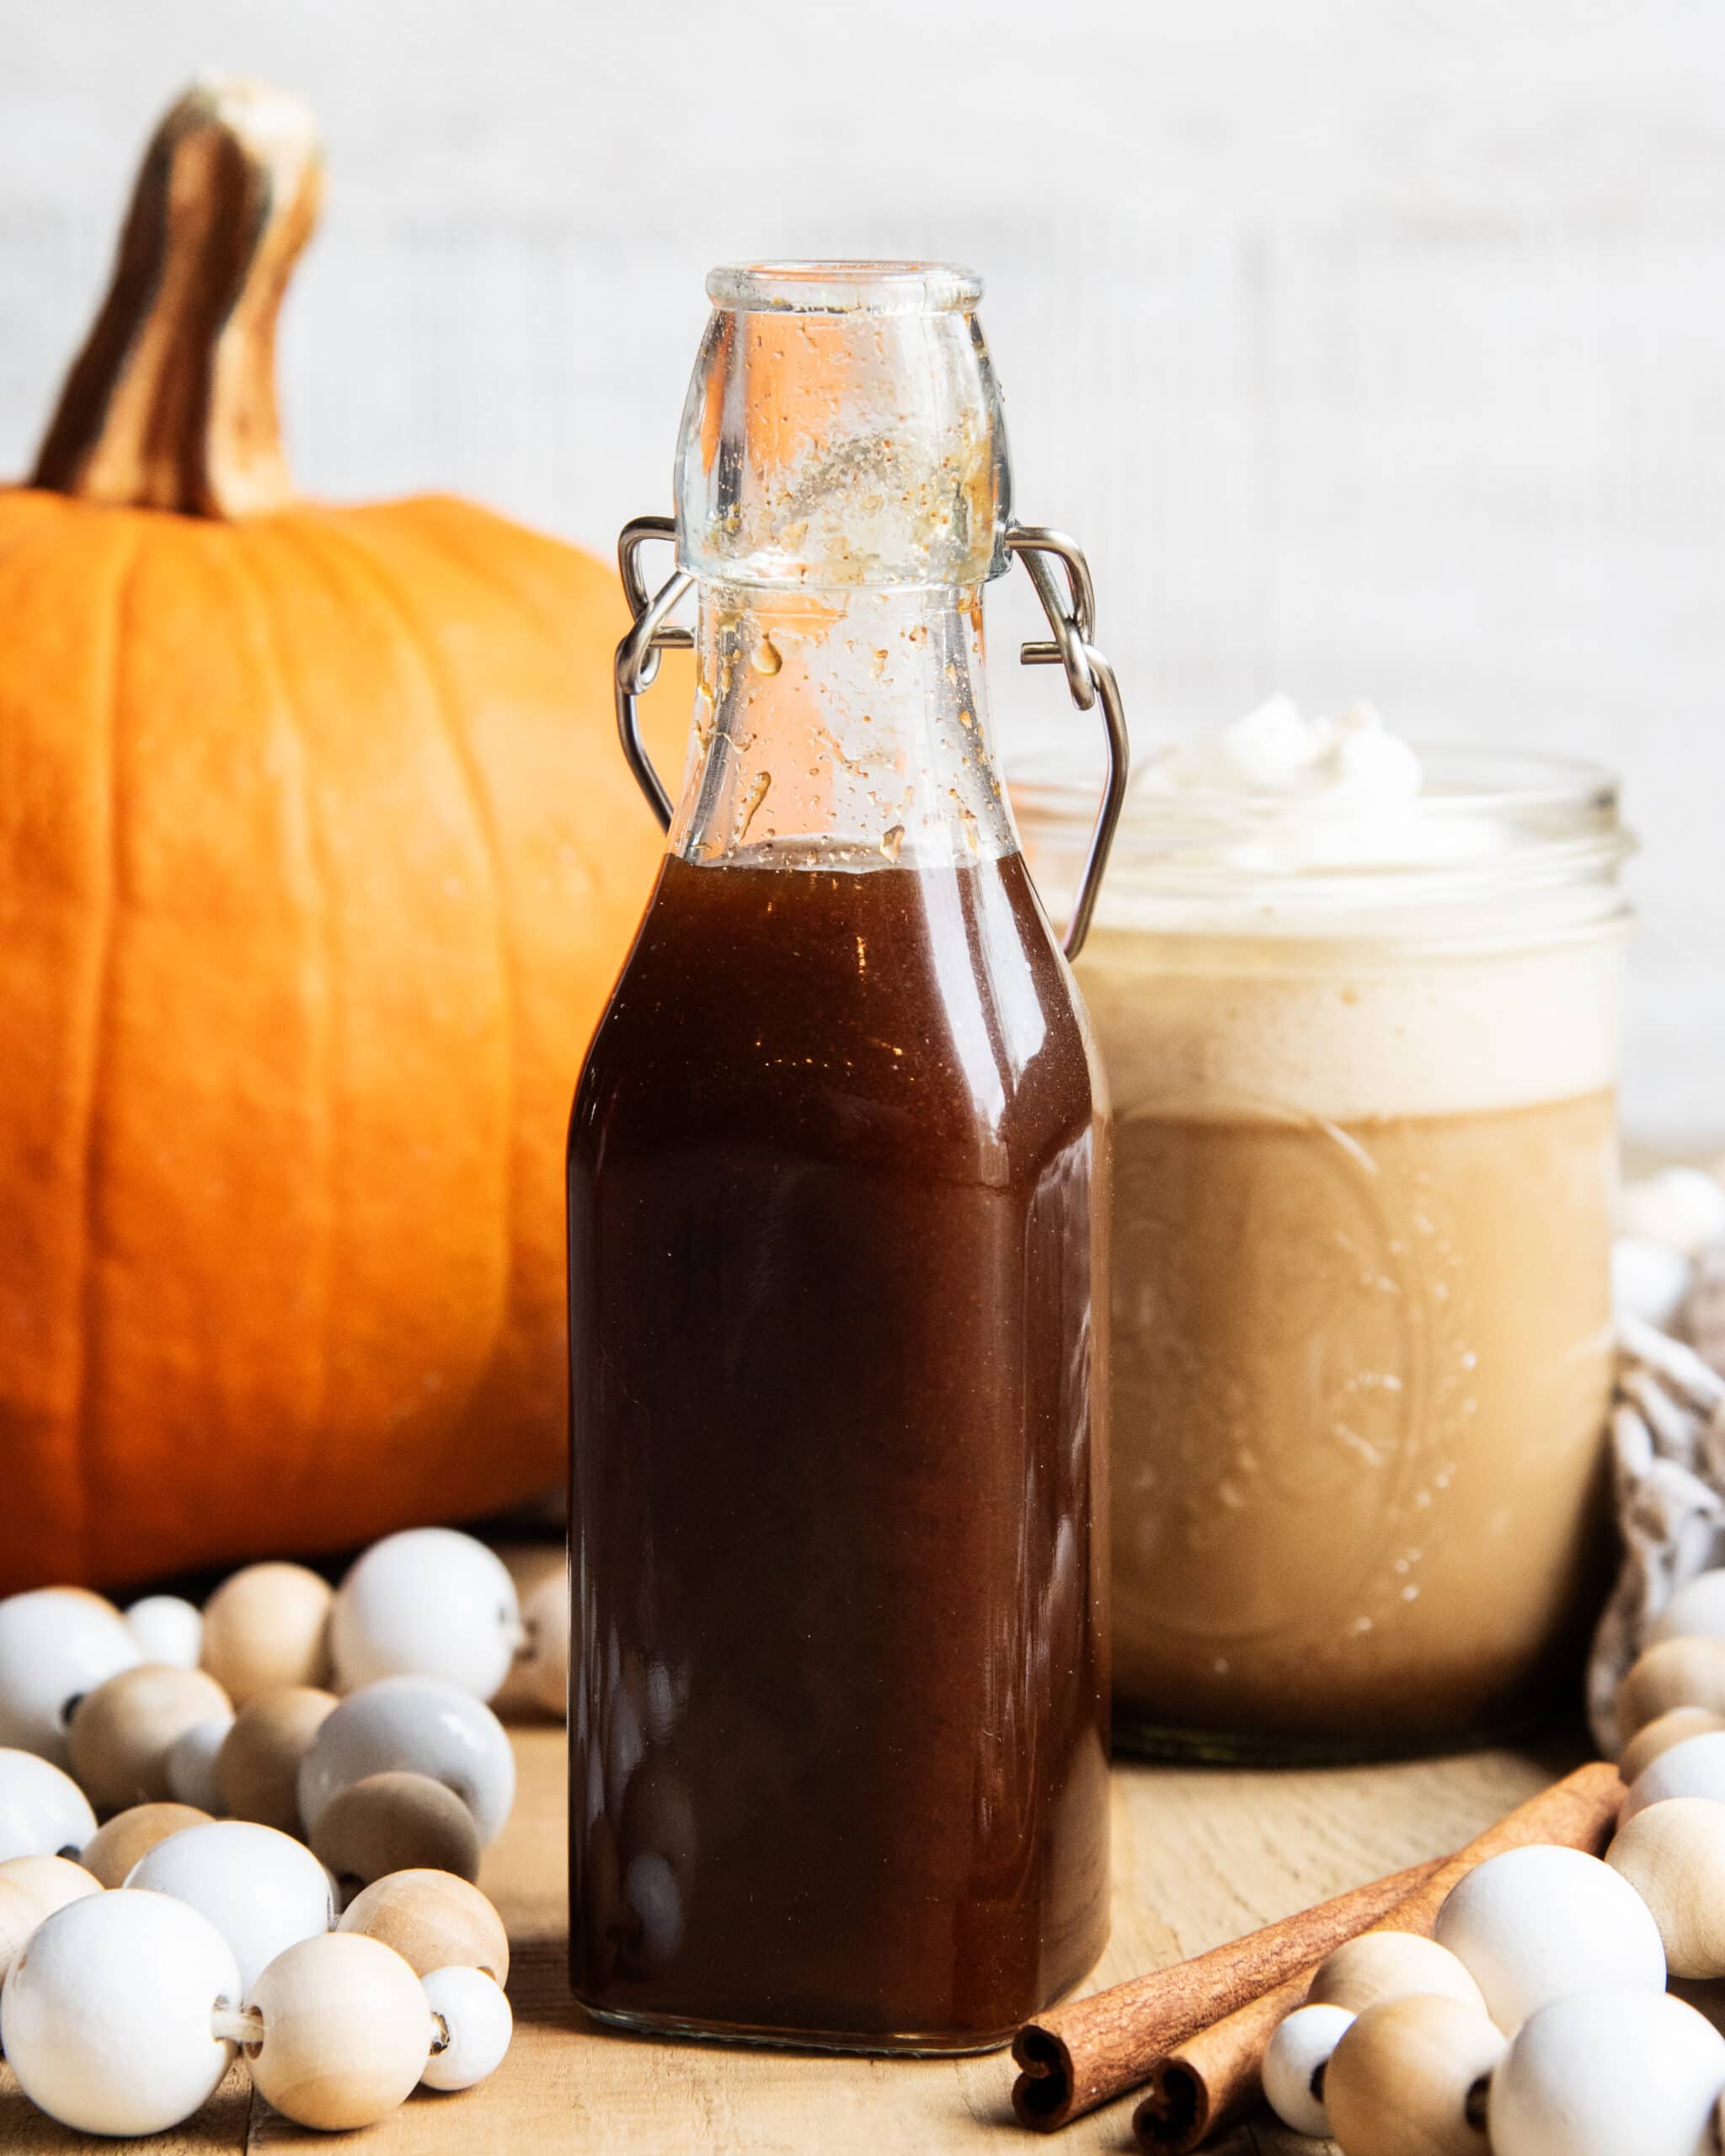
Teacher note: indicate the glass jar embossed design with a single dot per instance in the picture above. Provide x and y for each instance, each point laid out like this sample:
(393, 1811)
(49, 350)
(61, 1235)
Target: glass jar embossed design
(1365, 1166)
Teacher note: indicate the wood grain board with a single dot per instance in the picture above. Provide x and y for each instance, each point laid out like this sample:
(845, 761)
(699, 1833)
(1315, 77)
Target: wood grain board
(1200, 1855)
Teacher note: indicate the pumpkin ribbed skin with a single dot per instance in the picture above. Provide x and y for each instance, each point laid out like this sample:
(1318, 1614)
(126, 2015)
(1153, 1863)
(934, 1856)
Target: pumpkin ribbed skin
(317, 859)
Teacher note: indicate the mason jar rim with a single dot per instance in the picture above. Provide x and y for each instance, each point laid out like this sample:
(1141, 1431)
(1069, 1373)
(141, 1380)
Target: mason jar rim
(1561, 815)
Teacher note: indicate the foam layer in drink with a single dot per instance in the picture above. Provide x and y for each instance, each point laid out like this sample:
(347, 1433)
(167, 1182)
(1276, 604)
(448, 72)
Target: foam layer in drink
(1346, 1028)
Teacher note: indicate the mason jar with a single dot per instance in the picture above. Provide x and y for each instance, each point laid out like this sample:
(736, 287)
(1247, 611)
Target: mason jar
(1363, 1075)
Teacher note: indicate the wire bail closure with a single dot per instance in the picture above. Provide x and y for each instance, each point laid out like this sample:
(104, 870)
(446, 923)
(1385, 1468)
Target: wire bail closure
(1071, 620)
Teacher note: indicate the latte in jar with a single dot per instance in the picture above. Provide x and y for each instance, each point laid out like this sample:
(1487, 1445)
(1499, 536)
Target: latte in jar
(1360, 1021)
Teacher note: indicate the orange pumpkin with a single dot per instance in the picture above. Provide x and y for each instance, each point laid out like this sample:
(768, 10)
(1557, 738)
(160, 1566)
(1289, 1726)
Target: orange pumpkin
(317, 857)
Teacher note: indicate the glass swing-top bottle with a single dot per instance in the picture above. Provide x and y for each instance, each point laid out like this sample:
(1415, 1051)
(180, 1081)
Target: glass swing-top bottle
(839, 1710)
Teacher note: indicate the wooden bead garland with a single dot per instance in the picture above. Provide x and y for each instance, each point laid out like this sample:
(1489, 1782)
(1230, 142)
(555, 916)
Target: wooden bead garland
(1409, 2078)
(395, 1822)
(422, 1725)
(257, 1769)
(339, 2025)
(123, 1731)
(1538, 1924)
(1385, 1964)
(168, 1630)
(268, 1627)
(49, 1882)
(43, 1813)
(346, 2031)
(428, 1603)
(31, 1889)
(191, 1763)
(474, 2027)
(1605, 2072)
(264, 1891)
(106, 2017)
(130, 1836)
(1674, 1726)
(545, 1617)
(434, 1921)
(1296, 2066)
(1673, 1854)
(56, 1645)
(1676, 1672)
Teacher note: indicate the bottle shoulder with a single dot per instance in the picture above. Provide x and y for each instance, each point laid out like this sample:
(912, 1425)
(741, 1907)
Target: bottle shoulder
(895, 1017)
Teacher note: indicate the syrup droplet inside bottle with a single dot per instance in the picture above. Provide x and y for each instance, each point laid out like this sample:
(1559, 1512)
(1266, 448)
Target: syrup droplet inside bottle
(757, 795)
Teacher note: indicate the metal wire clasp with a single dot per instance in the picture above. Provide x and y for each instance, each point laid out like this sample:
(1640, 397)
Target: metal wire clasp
(1090, 681)
(637, 654)
(1071, 620)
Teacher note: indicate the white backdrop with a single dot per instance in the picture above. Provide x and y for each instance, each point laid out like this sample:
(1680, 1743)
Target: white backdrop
(1370, 346)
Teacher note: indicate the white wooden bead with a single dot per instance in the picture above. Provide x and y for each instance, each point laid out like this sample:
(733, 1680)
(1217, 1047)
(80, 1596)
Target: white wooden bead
(191, 1763)
(1673, 1854)
(1534, 1925)
(1649, 1280)
(347, 2032)
(545, 1616)
(1606, 2072)
(423, 1726)
(265, 1626)
(475, 2014)
(428, 1603)
(56, 1644)
(263, 1891)
(106, 2017)
(1694, 1768)
(1695, 1611)
(168, 1630)
(1294, 2063)
(1684, 1207)
(43, 1813)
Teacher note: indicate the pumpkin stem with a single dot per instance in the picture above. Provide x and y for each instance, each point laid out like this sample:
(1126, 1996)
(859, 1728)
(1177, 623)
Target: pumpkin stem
(171, 404)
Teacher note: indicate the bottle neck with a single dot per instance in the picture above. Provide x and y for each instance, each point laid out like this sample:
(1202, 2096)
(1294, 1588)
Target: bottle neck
(841, 729)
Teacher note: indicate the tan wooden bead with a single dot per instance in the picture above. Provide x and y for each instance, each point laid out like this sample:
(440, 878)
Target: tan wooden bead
(17, 1920)
(1407, 2079)
(268, 1627)
(50, 1881)
(122, 1733)
(113, 1850)
(1383, 1964)
(395, 1822)
(257, 1768)
(434, 1921)
(31, 1889)
(1684, 1672)
(1673, 1854)
(1660, 1734)
(346, 2031)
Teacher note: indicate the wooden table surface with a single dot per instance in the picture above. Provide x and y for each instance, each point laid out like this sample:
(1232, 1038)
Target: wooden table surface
(1200, 1855)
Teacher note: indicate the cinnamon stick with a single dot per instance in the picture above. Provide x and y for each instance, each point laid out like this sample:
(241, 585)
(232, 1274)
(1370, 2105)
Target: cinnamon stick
(1091, 2050)
(1210, 2079)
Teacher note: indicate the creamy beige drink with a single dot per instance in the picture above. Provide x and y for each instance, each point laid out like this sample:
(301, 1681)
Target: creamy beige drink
(1364, 1162)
